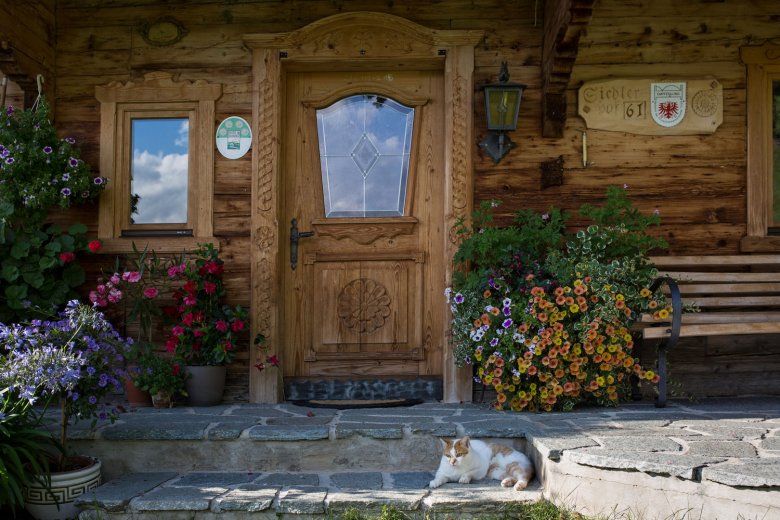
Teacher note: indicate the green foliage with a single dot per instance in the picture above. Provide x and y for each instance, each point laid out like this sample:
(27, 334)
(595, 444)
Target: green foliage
(38, 269)
(24, 445)
(156, 373)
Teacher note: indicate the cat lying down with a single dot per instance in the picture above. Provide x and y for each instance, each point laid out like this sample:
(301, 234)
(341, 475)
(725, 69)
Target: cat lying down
(464, 460)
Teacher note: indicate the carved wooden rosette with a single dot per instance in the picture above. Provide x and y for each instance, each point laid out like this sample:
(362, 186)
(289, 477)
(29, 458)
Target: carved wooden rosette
(365, 40)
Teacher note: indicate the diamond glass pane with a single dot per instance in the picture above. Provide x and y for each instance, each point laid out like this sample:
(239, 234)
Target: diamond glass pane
(365, 141)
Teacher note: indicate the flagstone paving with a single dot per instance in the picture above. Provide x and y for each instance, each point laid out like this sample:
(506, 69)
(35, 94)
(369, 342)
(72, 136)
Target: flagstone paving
(717, 444)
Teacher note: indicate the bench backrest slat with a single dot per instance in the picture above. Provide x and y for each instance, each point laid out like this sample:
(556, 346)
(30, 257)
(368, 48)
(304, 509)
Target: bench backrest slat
(701, 260)
(733, 301)
(687, 276)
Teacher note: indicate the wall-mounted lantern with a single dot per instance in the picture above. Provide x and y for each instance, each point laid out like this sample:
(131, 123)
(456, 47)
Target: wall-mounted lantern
(502, 104)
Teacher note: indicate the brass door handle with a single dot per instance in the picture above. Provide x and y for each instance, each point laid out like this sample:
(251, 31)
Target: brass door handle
(295, 235)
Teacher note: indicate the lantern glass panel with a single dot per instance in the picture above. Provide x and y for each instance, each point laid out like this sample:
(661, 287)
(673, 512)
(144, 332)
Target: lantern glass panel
(502, 105)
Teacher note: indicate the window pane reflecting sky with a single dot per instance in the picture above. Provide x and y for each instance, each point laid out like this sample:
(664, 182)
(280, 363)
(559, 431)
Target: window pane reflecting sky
(365, 142)
(159, 171)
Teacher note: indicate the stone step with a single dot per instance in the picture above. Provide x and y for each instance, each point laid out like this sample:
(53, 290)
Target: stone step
(289, 438)
(233, 495)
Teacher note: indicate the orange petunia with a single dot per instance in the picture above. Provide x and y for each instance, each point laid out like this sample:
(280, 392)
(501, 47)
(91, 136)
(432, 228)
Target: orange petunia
(495, 311)
(487, 293)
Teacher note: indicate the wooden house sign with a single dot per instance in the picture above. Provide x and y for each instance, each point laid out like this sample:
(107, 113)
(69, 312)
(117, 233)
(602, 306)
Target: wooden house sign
(652, 106)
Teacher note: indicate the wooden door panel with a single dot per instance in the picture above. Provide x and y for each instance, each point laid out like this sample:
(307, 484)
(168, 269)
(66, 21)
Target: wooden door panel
(367, 306)
(365, 298)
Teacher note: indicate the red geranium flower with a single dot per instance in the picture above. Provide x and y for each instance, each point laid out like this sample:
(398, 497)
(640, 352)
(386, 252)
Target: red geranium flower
(67, 257)
(221, 326)
(237, 326)
(95, 246)
(273, 360)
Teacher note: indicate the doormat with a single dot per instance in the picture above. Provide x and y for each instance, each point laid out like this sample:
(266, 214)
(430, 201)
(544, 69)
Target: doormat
(351, 404)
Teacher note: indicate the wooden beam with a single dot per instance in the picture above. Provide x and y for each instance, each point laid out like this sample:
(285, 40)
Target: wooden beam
(564, 22)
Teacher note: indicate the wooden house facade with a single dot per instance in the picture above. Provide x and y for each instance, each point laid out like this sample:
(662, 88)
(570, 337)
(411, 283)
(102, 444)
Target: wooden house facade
(275, 63)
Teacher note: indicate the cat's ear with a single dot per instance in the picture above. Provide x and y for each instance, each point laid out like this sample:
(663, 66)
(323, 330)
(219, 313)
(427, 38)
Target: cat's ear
(465, 441)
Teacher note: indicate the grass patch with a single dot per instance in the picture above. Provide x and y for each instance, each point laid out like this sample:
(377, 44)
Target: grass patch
(541, 510)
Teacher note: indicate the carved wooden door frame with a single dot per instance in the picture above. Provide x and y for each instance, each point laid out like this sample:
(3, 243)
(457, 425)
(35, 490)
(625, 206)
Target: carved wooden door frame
(356, 40)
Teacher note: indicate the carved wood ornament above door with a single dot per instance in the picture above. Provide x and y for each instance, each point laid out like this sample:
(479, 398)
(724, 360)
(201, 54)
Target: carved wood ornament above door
(362, 42)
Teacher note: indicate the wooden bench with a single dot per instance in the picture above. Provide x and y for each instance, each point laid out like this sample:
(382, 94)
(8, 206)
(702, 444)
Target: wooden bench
(735, 294)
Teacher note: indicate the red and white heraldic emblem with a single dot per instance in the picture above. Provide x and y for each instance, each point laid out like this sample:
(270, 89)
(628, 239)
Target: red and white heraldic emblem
(667, 103)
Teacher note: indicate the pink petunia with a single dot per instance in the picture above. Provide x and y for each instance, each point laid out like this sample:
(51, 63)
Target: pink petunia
(177, 331)
(115, 279)
(151, 292)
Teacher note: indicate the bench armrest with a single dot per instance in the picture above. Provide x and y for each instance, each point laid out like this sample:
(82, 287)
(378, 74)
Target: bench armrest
(677, 310)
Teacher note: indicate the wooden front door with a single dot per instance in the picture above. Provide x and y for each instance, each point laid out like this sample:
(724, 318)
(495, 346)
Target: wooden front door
(362, 171)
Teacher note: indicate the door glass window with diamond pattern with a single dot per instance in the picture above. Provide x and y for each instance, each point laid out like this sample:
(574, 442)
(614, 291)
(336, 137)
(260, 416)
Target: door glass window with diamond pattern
(365, 143)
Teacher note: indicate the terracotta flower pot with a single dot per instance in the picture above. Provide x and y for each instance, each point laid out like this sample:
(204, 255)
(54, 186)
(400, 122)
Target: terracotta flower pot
(66, 486)
(136, 397)
(205, 384)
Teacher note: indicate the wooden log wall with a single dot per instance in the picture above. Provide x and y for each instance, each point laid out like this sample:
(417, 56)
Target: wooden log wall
(27, 36)
(696, 182)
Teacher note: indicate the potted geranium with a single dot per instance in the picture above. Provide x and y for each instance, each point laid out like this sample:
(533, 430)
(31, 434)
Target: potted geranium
(161, 376)
(134, 289)
(204, 331)
(84, 333)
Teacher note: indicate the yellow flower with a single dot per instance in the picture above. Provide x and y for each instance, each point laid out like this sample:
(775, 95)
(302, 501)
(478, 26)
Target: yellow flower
(610, 379)
(645, 292)
(612, 348)
(577, 283)
(620, 297)
(600, 349)
(600, 381)
(649, 375)
(488, 379)
(574, 308)
(627, 337)
(663, 314)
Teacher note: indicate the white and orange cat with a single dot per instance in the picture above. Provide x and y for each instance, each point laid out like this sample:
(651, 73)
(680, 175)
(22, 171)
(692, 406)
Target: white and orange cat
(464, 460)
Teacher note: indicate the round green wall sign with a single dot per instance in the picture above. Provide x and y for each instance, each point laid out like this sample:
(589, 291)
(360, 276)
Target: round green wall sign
(234, 137)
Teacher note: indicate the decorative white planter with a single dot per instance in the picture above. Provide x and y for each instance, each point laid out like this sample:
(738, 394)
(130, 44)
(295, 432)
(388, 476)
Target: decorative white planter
(66, 486)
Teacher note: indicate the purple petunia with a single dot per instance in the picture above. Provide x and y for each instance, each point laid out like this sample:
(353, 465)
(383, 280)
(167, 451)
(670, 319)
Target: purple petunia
(9, 160)
(507, 323)
(65, 177)
(507, 311)
(70, 140)
(73, 162)
(47, 150)
(99, 180)
(494, 342)
(65, 192)
(459, 298)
